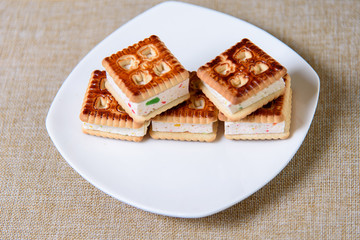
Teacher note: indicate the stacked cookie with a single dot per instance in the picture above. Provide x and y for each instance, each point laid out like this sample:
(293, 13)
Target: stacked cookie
(145, 83)
(193, 120)
(251, 90)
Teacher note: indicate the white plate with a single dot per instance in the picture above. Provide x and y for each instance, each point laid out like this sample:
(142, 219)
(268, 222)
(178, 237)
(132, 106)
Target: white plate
(182, 179)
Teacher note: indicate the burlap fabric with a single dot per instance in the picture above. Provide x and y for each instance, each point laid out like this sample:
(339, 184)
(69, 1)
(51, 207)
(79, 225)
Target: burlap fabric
(41, 197)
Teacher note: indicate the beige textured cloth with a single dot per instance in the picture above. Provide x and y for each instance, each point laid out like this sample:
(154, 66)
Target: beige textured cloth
(41, 197)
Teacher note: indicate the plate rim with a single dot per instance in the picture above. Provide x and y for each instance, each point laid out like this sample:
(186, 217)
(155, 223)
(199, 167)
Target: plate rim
(48, 122)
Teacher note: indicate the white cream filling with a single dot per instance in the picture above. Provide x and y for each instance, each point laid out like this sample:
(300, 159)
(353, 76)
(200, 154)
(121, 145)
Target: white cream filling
(136, 132)
(146, 107)
(232, 128)
(276, 86)
(181, 127)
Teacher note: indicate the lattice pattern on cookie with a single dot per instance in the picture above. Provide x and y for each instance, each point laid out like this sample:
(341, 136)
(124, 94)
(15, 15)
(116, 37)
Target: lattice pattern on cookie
(198, 109)
(273, 112)
(241, 71)
(145, 69)
(100, 107)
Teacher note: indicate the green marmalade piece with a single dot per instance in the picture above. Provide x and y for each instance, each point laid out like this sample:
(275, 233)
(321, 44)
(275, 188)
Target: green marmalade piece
(153, 101)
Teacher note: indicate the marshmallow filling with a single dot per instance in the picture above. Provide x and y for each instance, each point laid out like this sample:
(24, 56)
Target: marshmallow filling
(232, 128)
(145, 107)
(135, 132)
(158, 126)
(274, 87)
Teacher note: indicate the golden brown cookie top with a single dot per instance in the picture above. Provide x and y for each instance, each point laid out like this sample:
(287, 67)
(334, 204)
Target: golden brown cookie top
(100, 107)
(145, 69)
(241, 71)
(198, 109)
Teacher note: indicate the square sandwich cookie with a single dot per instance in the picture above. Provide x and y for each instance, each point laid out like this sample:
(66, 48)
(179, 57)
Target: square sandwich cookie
(103, 116)
(146, 79)
(272, 121)
(193, 120)
(242, 79)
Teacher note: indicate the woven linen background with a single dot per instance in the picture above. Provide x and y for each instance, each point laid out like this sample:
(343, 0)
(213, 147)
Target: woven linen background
(41, 197)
